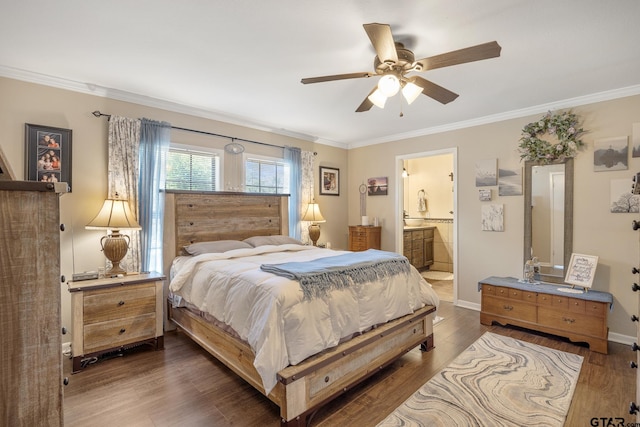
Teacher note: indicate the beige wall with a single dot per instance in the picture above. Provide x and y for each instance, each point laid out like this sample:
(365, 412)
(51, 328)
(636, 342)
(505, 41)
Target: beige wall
(22, 102)
(480, 253)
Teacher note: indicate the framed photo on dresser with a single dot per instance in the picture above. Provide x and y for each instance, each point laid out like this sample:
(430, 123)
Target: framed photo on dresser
(48, 154)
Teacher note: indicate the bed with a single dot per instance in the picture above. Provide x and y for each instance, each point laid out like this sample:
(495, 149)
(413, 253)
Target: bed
(302, 373)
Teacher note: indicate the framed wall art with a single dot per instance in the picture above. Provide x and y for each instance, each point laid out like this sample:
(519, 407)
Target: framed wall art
(48, 154)
(329, 181)
(377, 186)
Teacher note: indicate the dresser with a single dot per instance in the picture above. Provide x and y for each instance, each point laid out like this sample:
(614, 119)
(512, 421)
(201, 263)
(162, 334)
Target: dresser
(417, 246)
(363, 237)
(580, 317)
(30, 313)
(113, 314)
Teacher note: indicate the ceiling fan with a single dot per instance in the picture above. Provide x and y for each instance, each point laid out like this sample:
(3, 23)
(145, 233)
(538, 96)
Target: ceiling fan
(393, 63)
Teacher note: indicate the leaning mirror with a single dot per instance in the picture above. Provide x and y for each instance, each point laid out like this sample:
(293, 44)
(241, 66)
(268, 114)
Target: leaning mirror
(548, 217)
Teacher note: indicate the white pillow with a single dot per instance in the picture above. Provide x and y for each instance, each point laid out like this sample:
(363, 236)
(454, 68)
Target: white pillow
(256, 241)
(215, 247)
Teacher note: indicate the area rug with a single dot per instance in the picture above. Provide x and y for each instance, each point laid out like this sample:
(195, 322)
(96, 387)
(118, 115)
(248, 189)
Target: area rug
(437, 275)
(497, 381)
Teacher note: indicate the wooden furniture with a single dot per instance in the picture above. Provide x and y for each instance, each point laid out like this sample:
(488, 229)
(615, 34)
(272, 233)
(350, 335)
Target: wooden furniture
(30, 319)
(303, 388)
(114, 314)
(418, 246)
(363, 237)
(541, 307)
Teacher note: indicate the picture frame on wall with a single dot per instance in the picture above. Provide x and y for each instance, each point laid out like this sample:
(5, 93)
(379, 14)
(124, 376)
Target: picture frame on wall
(377, 186)
(329, 181)
(48, 154)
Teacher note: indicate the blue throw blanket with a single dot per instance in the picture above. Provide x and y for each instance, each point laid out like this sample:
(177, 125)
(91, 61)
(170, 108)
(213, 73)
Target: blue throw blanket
(319, 276)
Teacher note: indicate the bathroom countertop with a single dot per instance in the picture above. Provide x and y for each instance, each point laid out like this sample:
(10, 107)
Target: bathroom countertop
(418, 227)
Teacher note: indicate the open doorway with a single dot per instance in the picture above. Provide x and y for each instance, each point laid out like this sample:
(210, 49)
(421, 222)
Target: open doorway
(427, 217)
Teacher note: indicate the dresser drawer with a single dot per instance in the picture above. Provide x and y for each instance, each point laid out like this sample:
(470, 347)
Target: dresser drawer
(572, 322)
(596, 308)
(509, 308)
(118, 332)
(488, 289)
(118, 302)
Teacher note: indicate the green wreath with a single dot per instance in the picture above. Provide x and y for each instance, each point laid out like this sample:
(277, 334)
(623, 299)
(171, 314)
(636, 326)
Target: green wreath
(564, 127)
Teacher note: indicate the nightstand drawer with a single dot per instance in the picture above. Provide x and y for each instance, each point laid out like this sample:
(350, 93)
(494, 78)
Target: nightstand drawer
(116, 333)
(117, 303)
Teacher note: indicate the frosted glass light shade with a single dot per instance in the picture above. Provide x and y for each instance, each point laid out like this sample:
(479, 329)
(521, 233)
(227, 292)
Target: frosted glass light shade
(377, 98)
(411, 92)
(389, 85)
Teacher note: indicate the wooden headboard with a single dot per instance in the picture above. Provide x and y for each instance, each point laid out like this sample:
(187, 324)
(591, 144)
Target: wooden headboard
(207, 216)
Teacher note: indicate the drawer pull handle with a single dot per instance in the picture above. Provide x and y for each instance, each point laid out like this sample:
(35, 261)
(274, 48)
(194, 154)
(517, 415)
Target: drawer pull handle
(634, 318)
(635, 347)
(635, 270)
(633, 408)
(508, 307)
(635, 287)
(568, 320)
(635, 224)
(633, 365)
(121, 303)
(123, 330)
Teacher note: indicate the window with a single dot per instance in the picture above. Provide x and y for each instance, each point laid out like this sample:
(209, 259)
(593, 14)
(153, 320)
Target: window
(192, 170)
(264, 175)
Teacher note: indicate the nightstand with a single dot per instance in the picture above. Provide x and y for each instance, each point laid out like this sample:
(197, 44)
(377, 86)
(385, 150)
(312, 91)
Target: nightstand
(115, 314)
(363, 237)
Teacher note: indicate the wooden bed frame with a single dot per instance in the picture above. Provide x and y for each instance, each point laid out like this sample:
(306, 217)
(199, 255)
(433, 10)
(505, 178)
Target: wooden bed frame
(301, 389)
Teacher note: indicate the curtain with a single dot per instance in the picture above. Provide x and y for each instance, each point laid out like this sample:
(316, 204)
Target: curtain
(154, 146)
(124, 141)
(293, 157)
(306, 196)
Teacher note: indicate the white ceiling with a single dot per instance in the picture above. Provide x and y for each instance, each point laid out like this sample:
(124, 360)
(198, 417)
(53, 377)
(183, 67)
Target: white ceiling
(241, 61)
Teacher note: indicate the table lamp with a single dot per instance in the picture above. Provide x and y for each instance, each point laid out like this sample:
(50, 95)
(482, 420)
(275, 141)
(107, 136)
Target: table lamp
(115, 215)
(314, 216)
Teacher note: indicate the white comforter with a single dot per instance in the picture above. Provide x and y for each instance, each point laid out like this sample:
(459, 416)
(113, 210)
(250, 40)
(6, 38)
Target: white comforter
(269, 311)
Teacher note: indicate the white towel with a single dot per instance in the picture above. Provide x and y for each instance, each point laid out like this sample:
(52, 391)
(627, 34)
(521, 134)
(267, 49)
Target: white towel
(422, 204)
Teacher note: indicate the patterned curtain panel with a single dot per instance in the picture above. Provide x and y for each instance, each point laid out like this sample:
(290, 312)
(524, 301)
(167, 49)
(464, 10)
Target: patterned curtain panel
(154, 146)
(124, 142)
(306, 196)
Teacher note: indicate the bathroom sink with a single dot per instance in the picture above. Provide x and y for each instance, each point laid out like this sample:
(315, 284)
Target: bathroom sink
(413, 222)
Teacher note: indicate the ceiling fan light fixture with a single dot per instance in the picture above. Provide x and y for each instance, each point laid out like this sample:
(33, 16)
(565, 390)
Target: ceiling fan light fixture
(378, 98)
(389, 85)
(411, 92)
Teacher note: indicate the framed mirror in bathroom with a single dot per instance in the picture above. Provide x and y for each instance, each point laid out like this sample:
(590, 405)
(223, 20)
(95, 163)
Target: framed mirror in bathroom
(548, 217)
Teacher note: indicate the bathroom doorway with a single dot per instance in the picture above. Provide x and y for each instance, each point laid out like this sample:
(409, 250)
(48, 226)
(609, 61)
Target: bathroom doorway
(427, 207)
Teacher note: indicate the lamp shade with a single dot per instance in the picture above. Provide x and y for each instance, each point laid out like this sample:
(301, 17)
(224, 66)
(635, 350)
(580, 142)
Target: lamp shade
(388, 85)
(313, 214)
(114, 215)
(411, 91)
(377, 98)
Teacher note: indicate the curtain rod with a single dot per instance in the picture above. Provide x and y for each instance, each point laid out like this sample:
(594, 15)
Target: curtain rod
(97, 113)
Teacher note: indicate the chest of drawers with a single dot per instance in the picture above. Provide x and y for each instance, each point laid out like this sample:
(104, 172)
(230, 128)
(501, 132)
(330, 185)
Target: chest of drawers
(113, 314)
(363, 237)
(541, 308)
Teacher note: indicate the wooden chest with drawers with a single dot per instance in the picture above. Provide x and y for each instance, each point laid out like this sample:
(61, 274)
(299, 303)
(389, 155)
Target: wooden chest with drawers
(363, 237)
(579, 317)
(115, 313)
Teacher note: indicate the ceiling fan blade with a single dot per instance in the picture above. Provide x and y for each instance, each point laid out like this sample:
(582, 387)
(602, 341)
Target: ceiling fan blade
(382, 41)
(366, 104)
(468, 54)
(434, 91)
(336, 77)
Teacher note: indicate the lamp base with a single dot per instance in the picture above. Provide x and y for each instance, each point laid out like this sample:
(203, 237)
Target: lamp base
(115, 247)
(314, 233)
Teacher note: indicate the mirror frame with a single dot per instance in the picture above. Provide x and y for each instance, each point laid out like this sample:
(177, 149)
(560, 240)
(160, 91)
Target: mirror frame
(568, 216)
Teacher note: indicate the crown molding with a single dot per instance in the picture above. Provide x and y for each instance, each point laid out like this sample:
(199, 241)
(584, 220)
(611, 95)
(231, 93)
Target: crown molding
(120, 95)
(529, 111)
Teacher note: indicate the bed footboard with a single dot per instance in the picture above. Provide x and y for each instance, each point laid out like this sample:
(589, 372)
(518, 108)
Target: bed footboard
(303, 388)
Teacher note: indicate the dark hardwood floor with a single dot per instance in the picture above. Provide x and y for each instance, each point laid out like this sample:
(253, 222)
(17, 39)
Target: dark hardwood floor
(183, 385)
